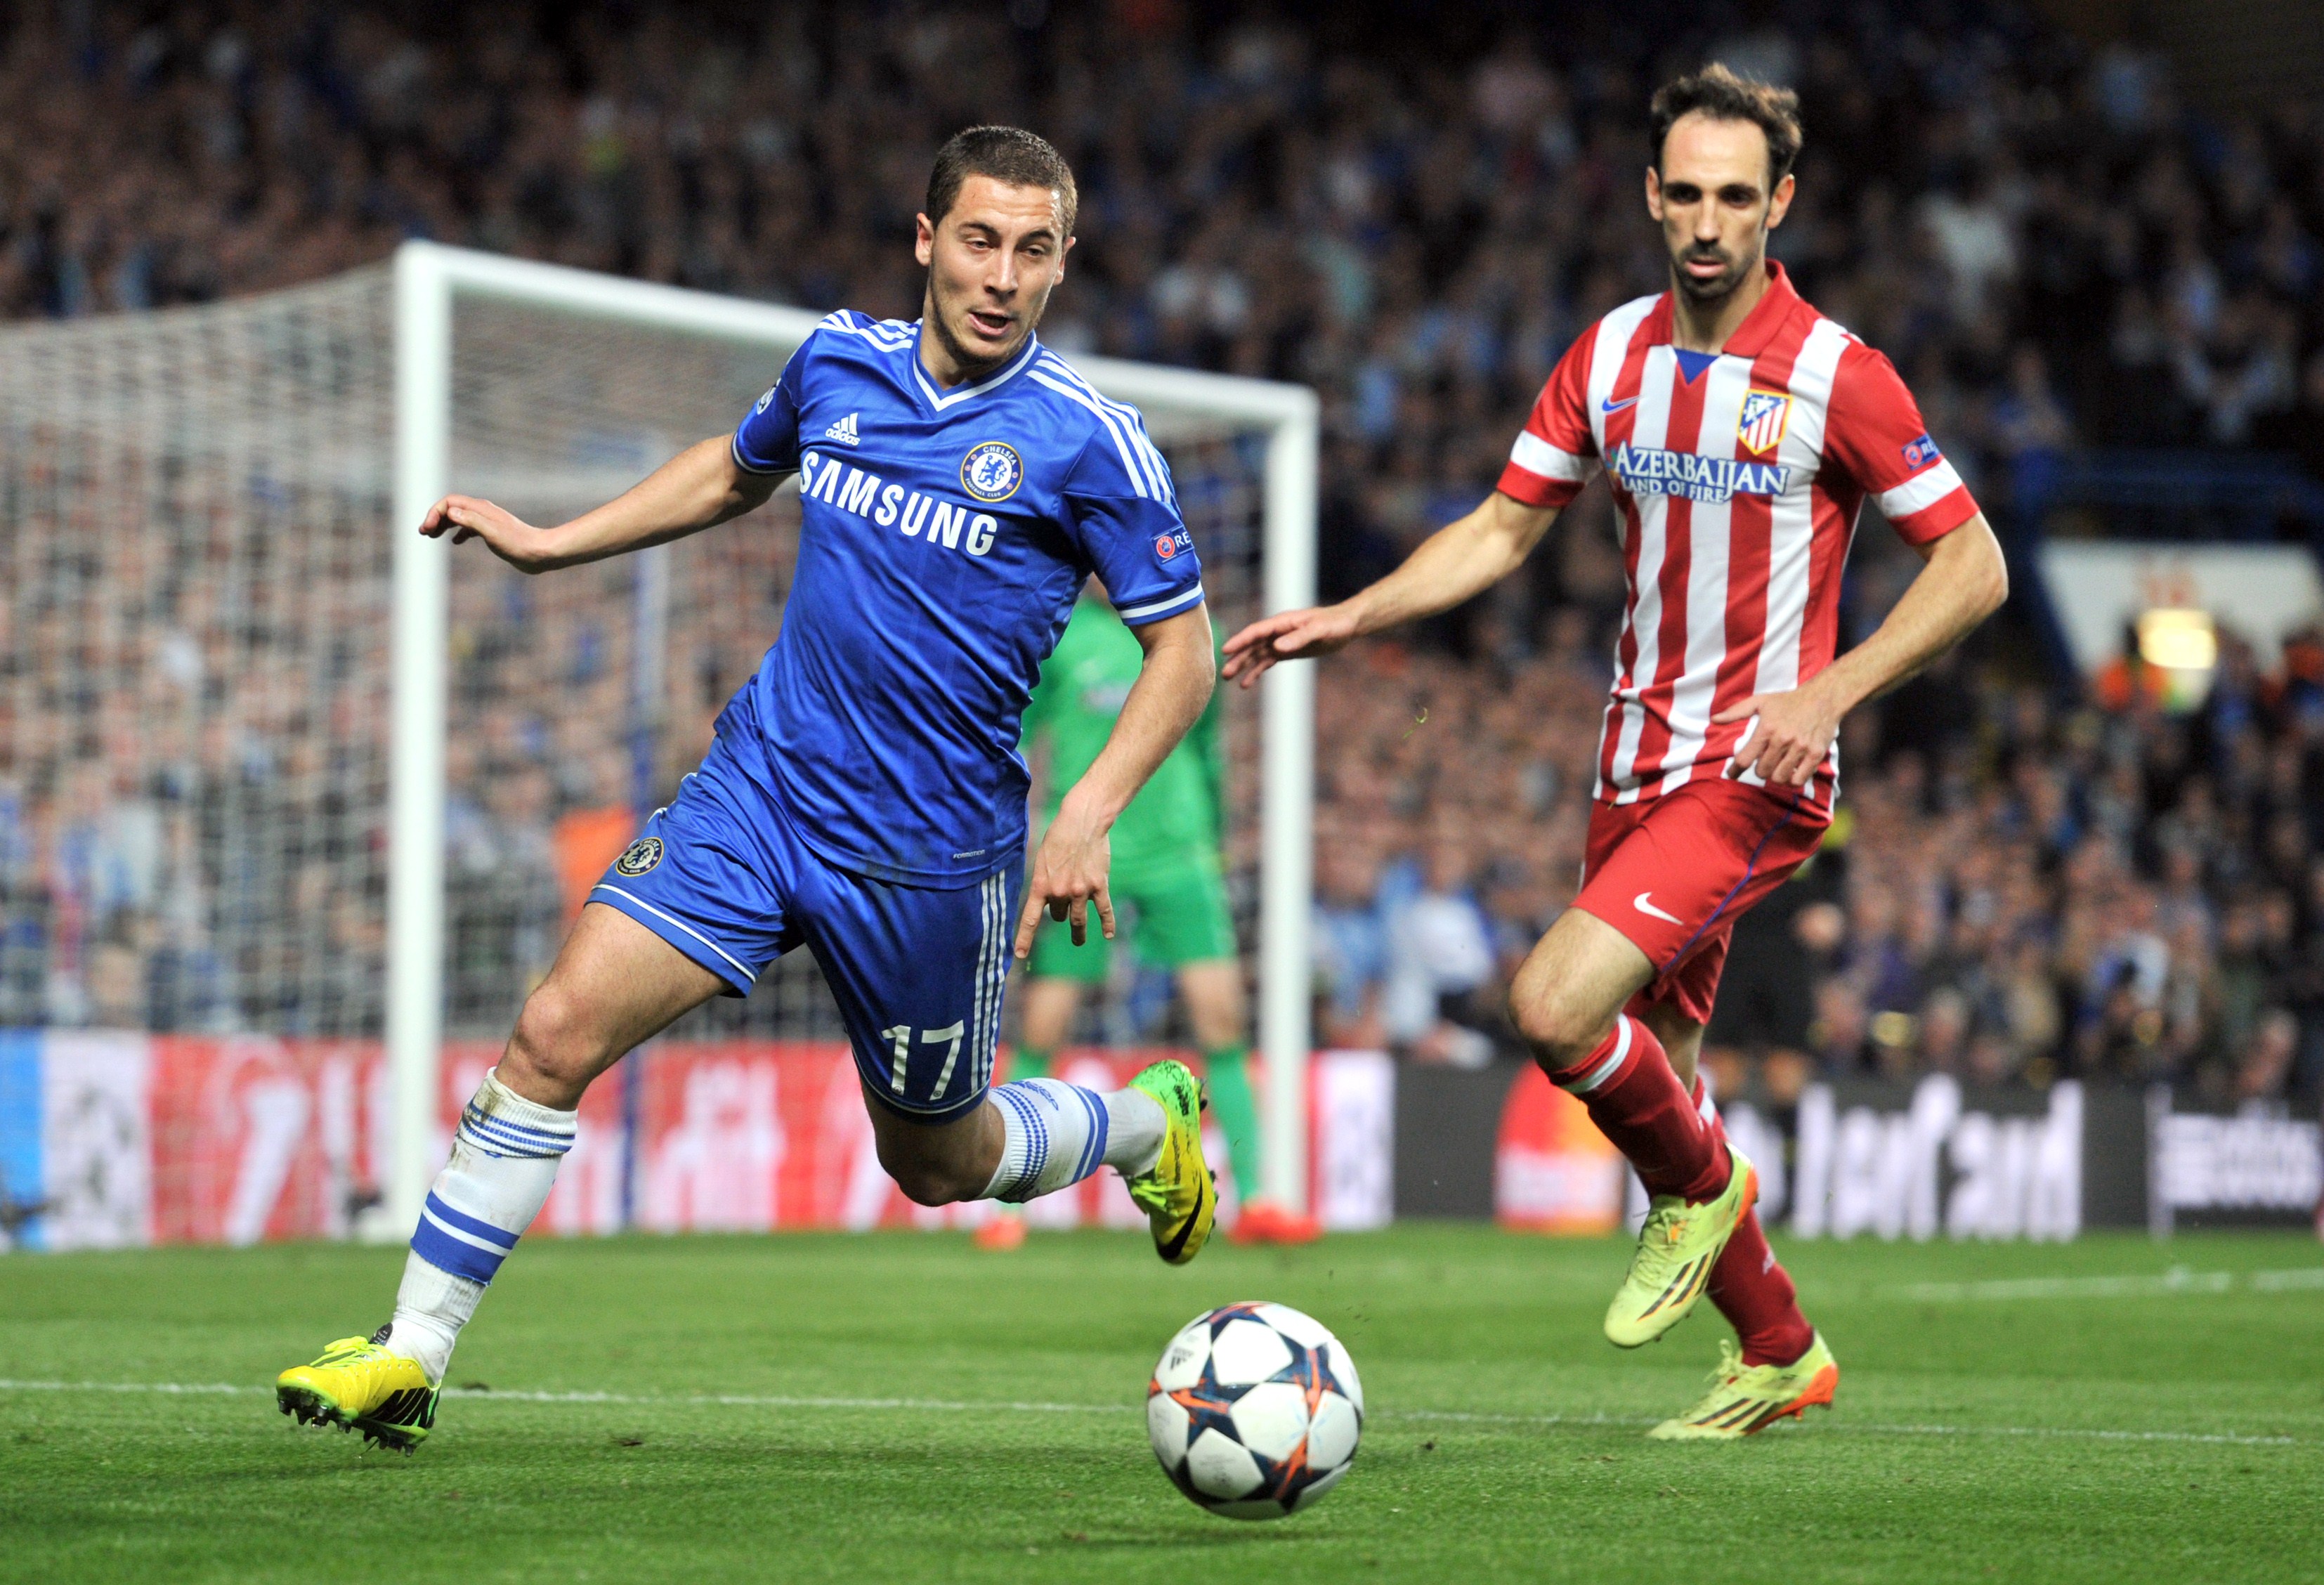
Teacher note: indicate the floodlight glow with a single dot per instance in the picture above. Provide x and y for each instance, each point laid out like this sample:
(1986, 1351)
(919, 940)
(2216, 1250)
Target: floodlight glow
(2179, 638)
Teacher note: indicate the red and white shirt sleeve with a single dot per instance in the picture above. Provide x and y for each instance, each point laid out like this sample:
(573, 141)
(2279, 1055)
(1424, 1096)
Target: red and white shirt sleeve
(1556, 452)
(1875, 435)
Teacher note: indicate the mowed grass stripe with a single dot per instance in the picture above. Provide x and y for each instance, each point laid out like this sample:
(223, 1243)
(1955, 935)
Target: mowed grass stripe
(2304, 1279)
(984, 1406)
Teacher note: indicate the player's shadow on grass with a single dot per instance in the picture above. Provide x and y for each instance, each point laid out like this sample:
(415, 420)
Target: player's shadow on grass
(1218, 1532)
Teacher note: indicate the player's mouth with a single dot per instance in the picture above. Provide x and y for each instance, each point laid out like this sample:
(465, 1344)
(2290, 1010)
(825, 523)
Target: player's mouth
(1705, 266)
(993, 326)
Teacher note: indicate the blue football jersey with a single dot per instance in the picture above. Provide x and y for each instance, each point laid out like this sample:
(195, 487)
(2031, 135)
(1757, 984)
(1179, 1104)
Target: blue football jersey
(944, 537)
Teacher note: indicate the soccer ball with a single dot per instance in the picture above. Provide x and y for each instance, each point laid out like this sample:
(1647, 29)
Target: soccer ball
(1254, 1409)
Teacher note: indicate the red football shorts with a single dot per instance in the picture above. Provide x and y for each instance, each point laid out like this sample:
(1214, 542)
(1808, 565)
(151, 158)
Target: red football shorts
(1673, 874)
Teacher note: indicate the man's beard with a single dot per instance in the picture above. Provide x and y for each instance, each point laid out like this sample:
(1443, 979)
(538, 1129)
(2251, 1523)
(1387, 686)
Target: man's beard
(1712, 291)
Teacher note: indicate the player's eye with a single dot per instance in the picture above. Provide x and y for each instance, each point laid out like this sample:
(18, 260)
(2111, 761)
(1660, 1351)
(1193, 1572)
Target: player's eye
(1742, 197)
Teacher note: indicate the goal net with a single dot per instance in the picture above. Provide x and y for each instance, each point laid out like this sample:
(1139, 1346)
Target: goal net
(271, 765)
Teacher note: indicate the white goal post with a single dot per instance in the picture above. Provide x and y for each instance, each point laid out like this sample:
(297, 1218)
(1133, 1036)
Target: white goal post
(429, 280)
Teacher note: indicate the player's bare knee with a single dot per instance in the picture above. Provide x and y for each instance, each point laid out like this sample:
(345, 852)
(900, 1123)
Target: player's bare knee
(925, 1181)
(1551, 1028)
(552, 1041)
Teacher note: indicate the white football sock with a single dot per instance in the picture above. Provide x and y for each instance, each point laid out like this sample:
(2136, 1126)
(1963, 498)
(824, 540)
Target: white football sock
(503, 1164)
(1056, 1134)
(1136, 1123)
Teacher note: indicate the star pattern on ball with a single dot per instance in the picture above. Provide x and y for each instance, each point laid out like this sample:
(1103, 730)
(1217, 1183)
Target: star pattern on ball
(1285, 1473)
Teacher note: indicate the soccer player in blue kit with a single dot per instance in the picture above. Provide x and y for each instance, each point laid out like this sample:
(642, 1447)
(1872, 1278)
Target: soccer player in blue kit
(958, 484)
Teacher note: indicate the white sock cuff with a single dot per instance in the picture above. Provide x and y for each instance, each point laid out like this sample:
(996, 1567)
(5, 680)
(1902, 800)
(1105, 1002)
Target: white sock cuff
(501, 1122)
(1053, 1134)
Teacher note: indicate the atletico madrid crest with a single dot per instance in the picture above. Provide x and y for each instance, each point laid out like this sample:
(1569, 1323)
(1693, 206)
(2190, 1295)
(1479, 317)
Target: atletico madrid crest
(1765, 414)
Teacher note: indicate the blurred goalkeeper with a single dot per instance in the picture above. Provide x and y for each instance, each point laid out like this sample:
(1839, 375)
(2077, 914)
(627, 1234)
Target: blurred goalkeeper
(1741, 432)
(959, 484)
(1167, 869)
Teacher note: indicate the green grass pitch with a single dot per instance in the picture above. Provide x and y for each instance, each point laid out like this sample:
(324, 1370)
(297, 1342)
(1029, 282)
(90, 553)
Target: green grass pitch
(904, 1408)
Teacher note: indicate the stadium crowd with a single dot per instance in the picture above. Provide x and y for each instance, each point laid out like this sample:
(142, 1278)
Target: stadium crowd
(2064, 255)
(2018, 888)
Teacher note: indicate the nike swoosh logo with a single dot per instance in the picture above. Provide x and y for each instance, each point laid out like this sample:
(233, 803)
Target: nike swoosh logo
(1611, 406)
(1644, 903)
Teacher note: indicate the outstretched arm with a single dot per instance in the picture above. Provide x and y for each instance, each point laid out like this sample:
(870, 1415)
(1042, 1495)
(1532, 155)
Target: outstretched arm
(1964, 581)
(1069, 872)
(1457, 562)
(698, 488)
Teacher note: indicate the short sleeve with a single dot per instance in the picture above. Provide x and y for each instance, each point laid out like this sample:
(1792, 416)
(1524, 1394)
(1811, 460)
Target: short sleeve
(1122, 510)
(1556, 451)
(766, 440)
(1875, 436)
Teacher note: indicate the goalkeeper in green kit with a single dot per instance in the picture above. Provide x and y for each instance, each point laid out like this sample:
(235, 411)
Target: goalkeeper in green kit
(1166, 869)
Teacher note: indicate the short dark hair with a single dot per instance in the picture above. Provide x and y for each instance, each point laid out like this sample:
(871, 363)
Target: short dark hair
(1719, 93)
(1009, 154)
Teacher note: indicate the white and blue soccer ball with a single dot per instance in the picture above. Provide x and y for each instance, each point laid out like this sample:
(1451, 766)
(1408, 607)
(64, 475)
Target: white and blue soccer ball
(1255, 1410)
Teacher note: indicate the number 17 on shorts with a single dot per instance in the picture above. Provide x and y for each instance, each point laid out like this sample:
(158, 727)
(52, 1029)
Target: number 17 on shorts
(918, 973)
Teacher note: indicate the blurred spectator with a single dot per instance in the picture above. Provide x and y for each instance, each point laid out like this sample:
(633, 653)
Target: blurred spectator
(2265, 1068)
(1440, 958)
(1351, 947)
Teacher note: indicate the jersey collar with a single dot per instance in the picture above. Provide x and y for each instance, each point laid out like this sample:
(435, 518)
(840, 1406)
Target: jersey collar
(945, 401)
(1767, 316)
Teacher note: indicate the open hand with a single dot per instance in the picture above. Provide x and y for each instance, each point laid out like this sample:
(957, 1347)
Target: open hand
(506, 535)
(1288, 635)
(1069, 875)
(1793, 732)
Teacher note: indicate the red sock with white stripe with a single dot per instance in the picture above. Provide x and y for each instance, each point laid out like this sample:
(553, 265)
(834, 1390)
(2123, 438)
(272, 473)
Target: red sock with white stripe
(1751, 1289)
(1638, 1103)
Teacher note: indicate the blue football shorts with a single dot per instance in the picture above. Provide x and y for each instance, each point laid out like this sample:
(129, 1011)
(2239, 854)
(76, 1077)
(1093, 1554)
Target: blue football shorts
(723, 875)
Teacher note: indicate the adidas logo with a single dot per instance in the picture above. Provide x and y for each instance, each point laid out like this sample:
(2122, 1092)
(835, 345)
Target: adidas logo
(844, 431)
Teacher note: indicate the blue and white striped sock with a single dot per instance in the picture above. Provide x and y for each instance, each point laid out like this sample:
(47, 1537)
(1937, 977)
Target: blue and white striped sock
(503, 1163)
(1055, 1133)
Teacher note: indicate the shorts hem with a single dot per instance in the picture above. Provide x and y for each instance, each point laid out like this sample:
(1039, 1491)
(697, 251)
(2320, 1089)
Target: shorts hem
(929, 1117)
(695, 946)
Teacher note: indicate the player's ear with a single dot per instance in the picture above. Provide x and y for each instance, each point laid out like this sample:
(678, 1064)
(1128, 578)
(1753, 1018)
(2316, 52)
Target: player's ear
(1781, 204)
(1655, 193)
(924, 240)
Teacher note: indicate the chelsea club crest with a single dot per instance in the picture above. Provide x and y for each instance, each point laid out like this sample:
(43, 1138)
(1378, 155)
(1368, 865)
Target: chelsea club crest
(640, 856)
(992, 471)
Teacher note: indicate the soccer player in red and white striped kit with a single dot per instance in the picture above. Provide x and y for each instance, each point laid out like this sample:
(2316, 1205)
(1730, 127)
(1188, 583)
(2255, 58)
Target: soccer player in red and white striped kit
(1741, 432)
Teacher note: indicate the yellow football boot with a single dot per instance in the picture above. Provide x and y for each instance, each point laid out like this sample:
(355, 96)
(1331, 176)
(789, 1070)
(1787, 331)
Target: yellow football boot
(1747, 1398)
(1178, 1196)
(359, 1386)
(1676, 1250)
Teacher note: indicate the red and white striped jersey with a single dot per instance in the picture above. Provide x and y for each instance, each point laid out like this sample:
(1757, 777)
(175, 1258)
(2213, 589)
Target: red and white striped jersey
(1738, 476)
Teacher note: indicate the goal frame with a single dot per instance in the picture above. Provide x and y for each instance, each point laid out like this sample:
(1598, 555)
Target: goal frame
(427, 279)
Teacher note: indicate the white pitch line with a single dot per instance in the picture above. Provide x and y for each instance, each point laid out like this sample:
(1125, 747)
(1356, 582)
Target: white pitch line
(2176, 1281)
(720, 1400)
(950, 1407)
(778, 1401)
